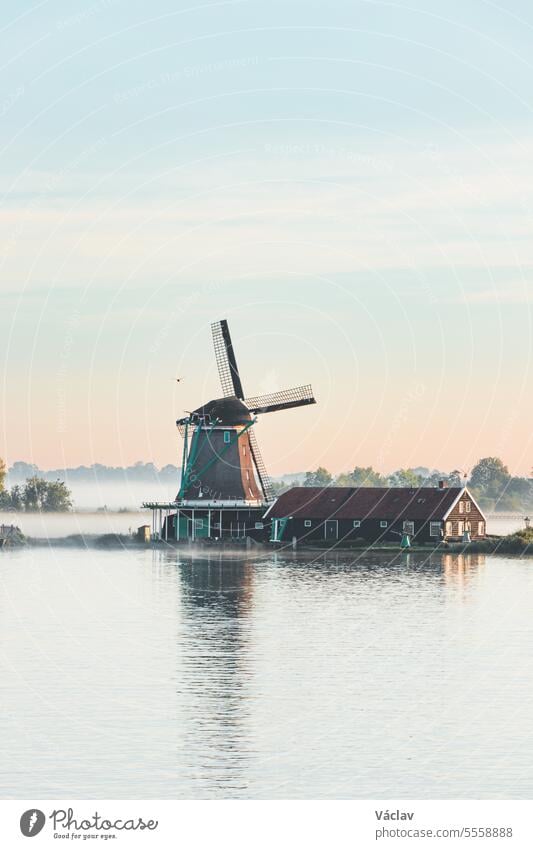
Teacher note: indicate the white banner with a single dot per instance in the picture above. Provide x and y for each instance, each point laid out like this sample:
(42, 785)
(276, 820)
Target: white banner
(257, 824)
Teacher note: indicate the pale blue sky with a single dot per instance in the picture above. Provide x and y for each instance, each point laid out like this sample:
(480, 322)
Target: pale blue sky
(349, 183)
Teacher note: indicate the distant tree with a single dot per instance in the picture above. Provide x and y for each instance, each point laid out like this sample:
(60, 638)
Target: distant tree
(11, 499)
(46, 496)
(320, 477)
(58, 497)
(450, 479)
(34, 493)
(2, 474)
(17, 499)
(20, 471)
(489, 476)
(516, 494)
(169, 471)
(405, 478)
(361, 476)
(455, 478)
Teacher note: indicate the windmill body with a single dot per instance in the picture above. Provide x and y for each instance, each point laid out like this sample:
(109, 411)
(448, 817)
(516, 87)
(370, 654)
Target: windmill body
(225, 487)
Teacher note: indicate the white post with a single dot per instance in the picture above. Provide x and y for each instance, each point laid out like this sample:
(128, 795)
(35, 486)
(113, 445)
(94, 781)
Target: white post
(209, 524)
(193, 529)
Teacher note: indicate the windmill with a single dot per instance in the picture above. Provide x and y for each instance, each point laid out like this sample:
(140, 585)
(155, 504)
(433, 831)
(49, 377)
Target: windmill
(221, 457)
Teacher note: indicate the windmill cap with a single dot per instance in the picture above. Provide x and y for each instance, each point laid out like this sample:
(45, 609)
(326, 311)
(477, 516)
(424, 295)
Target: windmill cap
(229, 411)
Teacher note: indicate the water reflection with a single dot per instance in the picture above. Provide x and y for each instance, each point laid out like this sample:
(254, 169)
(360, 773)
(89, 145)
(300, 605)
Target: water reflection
(460, 569)
(214, 673)
(284, 675)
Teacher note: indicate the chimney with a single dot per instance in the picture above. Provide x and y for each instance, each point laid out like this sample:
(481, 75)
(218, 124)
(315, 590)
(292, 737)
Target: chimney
(443, 484)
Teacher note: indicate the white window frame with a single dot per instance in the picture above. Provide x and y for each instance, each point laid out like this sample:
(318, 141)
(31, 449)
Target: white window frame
(408, 527)
(198, 524)
(434, 529)
(481, 529)
(259, 526)
(227, 437)
(468, 506)
(357, 523)
(460, 528)
(449, 528)
(461, 507)
(307, 523)
(383, 524)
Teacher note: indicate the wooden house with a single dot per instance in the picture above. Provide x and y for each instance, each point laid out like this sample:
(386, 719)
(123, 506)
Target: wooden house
(340, 515)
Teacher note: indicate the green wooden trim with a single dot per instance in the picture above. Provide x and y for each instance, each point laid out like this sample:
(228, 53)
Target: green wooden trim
(278, 525)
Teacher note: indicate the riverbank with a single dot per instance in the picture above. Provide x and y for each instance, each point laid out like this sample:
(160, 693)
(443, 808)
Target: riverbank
(518, 543)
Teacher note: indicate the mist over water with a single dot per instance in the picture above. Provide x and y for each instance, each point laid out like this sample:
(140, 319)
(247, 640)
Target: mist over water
(55, 525)
(151, 674)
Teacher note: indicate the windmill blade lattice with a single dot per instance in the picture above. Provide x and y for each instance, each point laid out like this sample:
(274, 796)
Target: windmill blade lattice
(298, 396)
(264, 477)
(227, 364)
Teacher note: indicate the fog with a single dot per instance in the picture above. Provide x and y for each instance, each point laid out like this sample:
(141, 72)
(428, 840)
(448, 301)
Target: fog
(55, 525)
(98, 509)
(87, 522)
(121, 496)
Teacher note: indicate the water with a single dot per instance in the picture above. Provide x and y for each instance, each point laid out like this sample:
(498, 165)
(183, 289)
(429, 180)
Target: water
(148, 674)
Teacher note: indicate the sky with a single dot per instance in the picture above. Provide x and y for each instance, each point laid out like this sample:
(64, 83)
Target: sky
(348, 183)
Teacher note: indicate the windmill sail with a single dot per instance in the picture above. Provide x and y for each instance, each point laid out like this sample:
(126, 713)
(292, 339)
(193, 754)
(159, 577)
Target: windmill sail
(226, 362)
(264, 477)
(298, 396)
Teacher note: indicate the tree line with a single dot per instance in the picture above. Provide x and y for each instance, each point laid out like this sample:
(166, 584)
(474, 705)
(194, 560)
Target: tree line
(96, 473)
(35, 495)
(490, 482)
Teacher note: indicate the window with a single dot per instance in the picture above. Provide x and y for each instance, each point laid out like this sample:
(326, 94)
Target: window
(357, 523)
(244, 449)
(449, 529)
(408, 527)
(460, 528)
(307, 523)
(434, 529)
(481, 529)
(468, 506)
(247, 475)
(199, 524)
(259, 526)
(227, 436)
(461, 507)
(383, 524)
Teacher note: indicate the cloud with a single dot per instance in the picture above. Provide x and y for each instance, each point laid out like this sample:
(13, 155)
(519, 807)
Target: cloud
(512, 293)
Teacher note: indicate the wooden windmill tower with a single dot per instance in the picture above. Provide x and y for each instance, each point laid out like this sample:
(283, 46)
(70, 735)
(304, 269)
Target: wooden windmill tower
(224, 485)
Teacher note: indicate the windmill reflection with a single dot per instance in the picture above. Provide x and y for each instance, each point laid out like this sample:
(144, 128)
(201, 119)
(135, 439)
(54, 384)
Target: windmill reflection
(216, 599)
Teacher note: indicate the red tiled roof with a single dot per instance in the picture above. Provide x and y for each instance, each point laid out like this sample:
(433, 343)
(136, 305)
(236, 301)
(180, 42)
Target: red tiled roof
(344, 502)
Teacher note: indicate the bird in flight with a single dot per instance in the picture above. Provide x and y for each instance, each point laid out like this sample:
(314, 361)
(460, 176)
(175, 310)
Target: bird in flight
(177, 379)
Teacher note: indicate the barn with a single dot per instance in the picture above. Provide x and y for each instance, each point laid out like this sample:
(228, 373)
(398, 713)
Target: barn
(381, 514)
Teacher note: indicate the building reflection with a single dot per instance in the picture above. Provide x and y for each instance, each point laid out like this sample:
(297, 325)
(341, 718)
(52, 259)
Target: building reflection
(214, 673)
(459, 569)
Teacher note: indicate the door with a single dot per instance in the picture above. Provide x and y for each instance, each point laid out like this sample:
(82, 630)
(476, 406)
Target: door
(331, 529)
